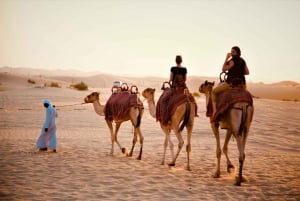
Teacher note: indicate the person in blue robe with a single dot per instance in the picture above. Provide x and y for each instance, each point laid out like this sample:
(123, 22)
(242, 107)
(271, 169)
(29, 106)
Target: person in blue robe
(47, 138)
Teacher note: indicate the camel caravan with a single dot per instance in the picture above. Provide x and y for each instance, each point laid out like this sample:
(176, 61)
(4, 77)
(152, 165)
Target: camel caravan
(229, 106)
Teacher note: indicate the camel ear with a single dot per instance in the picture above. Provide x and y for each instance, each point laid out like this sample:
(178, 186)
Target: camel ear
(153, 89)
(213, 83)
(205, 82)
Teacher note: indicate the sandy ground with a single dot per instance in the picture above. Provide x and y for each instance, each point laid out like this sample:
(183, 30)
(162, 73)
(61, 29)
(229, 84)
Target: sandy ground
(83, 168)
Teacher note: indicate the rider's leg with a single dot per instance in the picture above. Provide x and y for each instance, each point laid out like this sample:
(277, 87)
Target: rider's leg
(215, 93)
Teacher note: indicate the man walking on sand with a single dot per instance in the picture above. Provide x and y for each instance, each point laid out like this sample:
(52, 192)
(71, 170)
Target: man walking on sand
(47, 138)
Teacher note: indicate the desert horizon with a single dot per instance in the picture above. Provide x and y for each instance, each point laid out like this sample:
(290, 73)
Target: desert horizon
(285, 90)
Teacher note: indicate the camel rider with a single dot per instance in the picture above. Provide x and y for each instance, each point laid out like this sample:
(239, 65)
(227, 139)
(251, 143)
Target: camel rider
(236, 69)
(177, 82)
(178, 75)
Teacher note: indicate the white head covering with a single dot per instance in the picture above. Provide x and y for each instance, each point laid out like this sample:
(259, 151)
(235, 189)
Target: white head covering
(47, 101)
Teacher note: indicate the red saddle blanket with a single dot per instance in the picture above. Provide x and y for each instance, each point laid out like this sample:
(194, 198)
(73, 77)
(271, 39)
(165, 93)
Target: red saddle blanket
(169, 101)
(118, 105)
(230, 97)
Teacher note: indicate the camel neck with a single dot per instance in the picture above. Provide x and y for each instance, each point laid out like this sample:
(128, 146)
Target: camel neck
(152, 109)
(99, 109)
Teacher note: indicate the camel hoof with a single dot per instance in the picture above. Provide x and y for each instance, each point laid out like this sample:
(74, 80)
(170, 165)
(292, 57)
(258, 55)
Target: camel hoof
(188, 168)
(237, 184)
(139, 158)
(238, 180)
(124, 151)
(230, 168)
(171, 164)
(216, 175)
(129, 154)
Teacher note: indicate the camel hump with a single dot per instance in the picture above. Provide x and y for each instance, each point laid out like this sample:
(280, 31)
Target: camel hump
(120, 103)
(168, 102)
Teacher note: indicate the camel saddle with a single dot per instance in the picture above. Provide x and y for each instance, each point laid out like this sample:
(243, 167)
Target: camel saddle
(119, 104)
(167, 103)
(226, 100)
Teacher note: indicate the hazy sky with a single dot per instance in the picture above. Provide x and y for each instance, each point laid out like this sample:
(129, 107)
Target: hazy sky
(142, 37)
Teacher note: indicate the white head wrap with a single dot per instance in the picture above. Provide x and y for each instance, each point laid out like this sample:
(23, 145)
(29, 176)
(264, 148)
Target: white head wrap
(47, 101)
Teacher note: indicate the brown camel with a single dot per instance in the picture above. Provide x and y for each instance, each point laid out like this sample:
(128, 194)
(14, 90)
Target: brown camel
(237, 120)
(133, 113)
(184, 113)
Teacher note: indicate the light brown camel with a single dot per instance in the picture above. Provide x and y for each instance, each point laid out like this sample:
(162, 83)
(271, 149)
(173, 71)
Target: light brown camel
(237, 120)
(134, 114)
(184, 113)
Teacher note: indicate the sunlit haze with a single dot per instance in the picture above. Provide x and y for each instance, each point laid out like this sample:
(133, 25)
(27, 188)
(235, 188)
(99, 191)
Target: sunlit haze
(142, 38)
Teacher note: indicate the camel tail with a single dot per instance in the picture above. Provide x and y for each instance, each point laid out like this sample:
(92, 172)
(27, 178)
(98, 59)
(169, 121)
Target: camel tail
(139, 117)
(244, 118)
(186, 116)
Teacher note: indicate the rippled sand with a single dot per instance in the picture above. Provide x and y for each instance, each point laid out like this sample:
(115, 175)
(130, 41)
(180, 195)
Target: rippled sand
(83, 169)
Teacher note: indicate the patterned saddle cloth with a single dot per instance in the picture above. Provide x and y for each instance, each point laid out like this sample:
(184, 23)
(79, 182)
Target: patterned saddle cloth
(227, 99)
(118, 105)
(169, 101)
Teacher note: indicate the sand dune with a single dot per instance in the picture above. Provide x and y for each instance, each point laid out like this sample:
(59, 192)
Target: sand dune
(285, 90)
(83, 169)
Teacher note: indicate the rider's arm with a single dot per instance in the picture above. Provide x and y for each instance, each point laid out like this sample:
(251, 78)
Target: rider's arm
(246, 70)
(227, 65)
(171, 77)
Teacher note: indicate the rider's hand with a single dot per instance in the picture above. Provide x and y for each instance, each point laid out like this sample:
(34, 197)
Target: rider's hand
(228, 55)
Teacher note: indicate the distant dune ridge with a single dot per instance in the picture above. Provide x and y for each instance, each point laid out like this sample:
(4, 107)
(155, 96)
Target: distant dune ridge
(283, 90)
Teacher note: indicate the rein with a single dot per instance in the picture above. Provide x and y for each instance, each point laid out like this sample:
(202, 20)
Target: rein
(58, 106)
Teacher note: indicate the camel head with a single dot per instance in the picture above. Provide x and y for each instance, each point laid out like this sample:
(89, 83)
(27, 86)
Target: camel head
(149, 93)
(206, 87)
(92, 97)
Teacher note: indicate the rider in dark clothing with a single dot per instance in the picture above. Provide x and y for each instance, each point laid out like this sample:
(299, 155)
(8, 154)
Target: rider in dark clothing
(177, 82)
(236, 69)
(178, 76)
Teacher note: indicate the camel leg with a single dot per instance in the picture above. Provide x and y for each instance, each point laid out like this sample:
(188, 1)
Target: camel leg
(241, 143)
(123, 149)
(135, 117)
(180, 145)
(166, 143)
(109, 124)
(240, 146)
(165, 148)
(225, 150)
(215, 128)
(247, 125)
(133, 141)
(236, 118)
(141, 142)
(189, 128)
(188, 147)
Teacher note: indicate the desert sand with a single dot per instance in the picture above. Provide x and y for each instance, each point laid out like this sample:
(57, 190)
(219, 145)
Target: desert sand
(83, 169)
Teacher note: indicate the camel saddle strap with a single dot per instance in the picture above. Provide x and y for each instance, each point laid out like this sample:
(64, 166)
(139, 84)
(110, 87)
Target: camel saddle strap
(119, 104)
